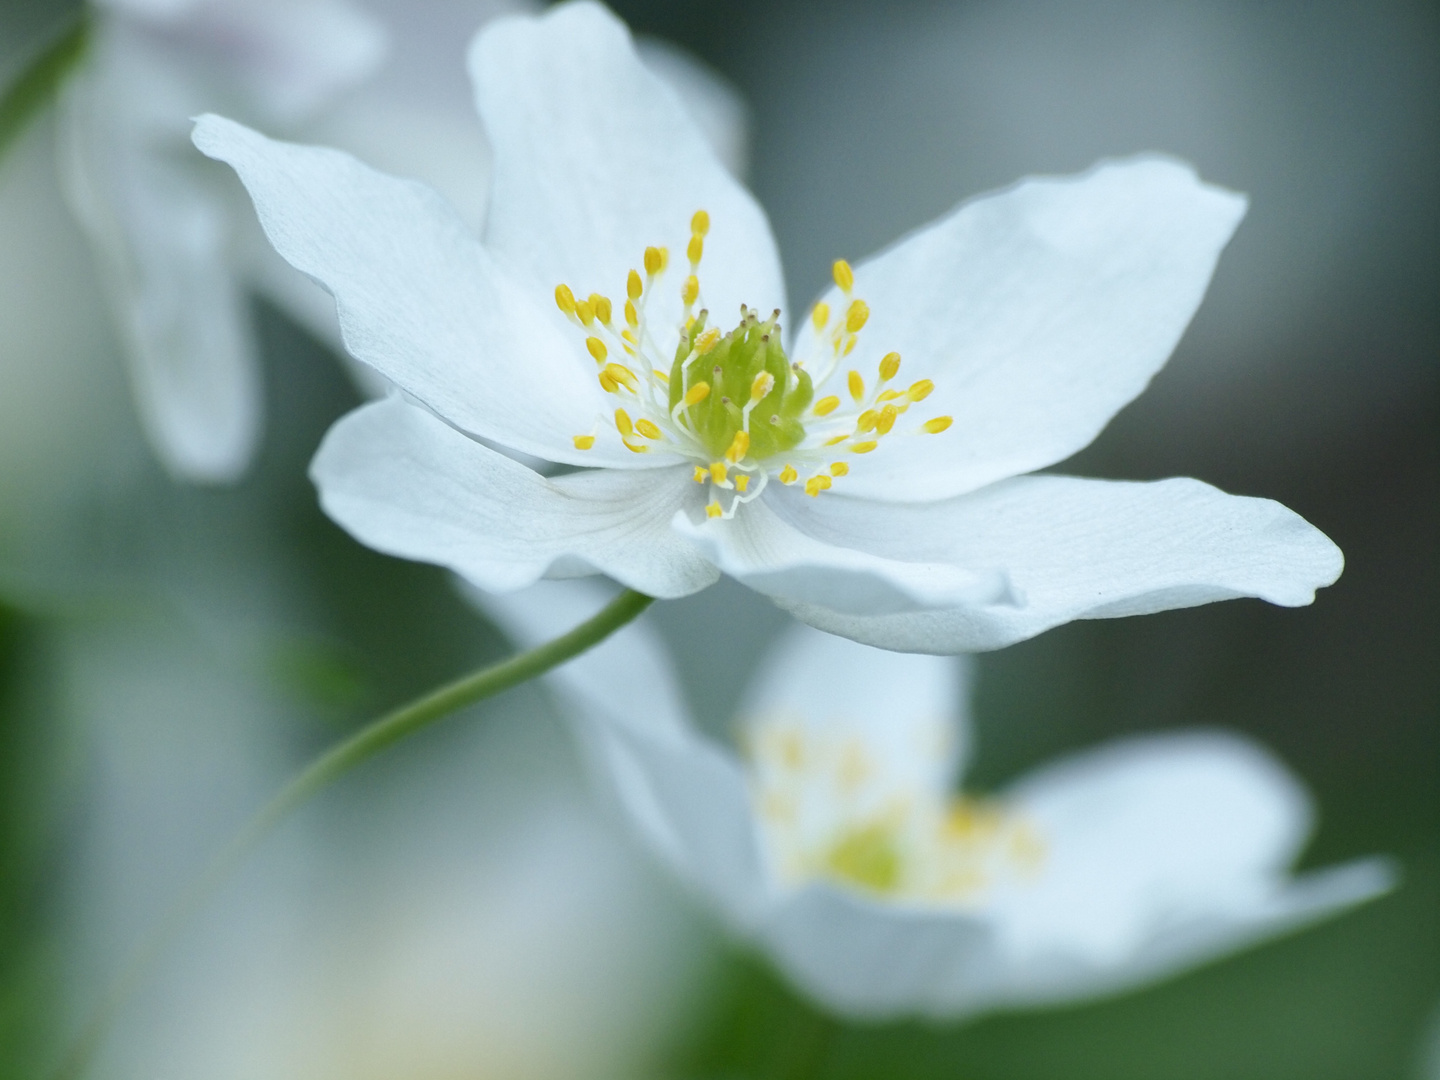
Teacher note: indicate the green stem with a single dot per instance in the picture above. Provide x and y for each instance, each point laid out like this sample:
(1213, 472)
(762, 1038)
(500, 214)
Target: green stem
(364, 744)
(41, 79)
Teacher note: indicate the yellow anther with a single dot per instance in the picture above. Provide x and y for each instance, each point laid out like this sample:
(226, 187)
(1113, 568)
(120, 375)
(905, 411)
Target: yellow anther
(597, 349)
(583, 442)
(887, 419)
(857, 316)
(697, 393)
(707, 341)
(633, 285)
(820, 316)
(635, 448)
(856, 385)
(623, 424)
(690, 290)
(889, 395)
(713, 510)
(864, 447)
(601, 304)
(867, 420)
(695, 249)
(889, 368)
(629, 335)
(719, 472)
(742, 483)
(647, 428)
(849, 345)
(839, 468)
(584, 311)
(817, 484)
(844, 276)
(788, 475)
(565, 299)
(661, 378)
(836, 441)
(919, 391)
(632, 317)
(701, 474)
(826, 405)
(763, 384)
(653, 261)
(939, 424)
(664, 259)
(739, 446)
(616, 375)
(700, 223)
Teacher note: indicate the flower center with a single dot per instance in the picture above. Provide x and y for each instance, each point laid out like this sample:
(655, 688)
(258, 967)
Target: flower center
(733, 402)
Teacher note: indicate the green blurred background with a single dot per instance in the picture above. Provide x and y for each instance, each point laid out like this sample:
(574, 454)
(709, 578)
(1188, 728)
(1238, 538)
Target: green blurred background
(168, 654)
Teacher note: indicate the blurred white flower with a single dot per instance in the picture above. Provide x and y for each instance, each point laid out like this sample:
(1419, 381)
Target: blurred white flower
(837, 842)
(174, 239)
(1025, 319)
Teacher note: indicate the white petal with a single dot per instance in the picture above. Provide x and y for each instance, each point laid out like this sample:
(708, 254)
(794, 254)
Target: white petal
(1071, 549)
(767, 552)
(910, 710)
(595, 158)
(161, 235)
(420, 300)
(1038, 312)
(402, 482)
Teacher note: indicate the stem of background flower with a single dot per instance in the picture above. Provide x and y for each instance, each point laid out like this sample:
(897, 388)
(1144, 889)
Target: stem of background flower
(364, 744)
(41, 79)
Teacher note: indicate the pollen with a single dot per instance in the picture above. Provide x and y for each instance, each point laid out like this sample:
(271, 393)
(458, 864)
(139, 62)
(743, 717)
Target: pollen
(788, 475)
(647, 428)
(839, 468)
(739, 446)
(697, 393)
(701, 474)
(856, 385)
(695, 250)
(937, 425)
(864, 447)
(889, 368)
(654, 261)
(763, 384)
(742, 483)
(857, 316)
(887, 419)
(614, 375)
(817, 484)
(601, 306)
(826, 405)
(623, 423)
(690, 290)
(820, 317)
(867, 421)
(565, 299)
(844, 276)
(707, 341)
(597, 349)
(713, 510)
(583, 442)
(700, 223)
(719, 473)
(919, 391)
(585, 312)
(633, 285)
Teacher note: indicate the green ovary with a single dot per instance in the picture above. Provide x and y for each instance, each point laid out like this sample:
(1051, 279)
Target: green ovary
(730, 368)
(867, 857)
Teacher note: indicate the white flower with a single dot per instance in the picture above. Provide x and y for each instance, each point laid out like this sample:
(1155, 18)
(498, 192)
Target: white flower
(907, 402)
(175, 242)
(837, 842)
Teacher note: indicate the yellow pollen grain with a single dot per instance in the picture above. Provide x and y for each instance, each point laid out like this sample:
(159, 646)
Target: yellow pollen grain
(690, 290)
(856, 385)
(653, 261)
(695, 250)
(864, 447)
(697, 393)
(788, 475)
(887, 419)
(633, 285)
(707, 341)
(701, 474)
(919, 391)
(713, 510)
(742, 483)
(601, 304)
(866, 421)
(820, 317)
(583, 442)
(857, 316)
(939, 424)
(585, 311)
(718, 472)
(565, 299)
(839, 468)
(763, 384)
(826, 405)
(700, 223)
(647, 428)
(623, 424)
(739, 446)
(817, 484)
(844, 276)
(597, 349)
(889, 368)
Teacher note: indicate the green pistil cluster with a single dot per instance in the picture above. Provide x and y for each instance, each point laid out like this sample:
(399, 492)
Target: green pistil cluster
(733, 366)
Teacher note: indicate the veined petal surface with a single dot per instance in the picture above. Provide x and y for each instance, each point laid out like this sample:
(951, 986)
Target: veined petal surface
(420, 300)
(402, 482)
(1070, 548)
(595, 158)
(1038, 312)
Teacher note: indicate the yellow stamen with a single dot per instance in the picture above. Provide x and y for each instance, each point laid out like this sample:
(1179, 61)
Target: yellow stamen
(601, 304)
(631, 315)
(839, 468)
(849, 346)
(857, 316)
(654, 261)
(889, 395)
(664, 259)
(707, 341)
(565, 299)
(742, 483)
(615, 375)
(887, 419)
(695, 249)
(820, 317)
(713, 510)
(788, 475)
(583, 442)
(597, 349)
(939, 424)
(826, 405)
(817, 484)
(919, 391)
(763, 384)
(889, 368)
(647, 428)
(697, 393)
(661, 378)
(635, 448)
(700, 223)
(585, 311)
(856, 385)
(623, 424)
(866, 422)
(836, 441)
(701, 474)
(739, 446)
(844, 276)
(633, 286)
(719, 472)
(690, 290)
(864, 447)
